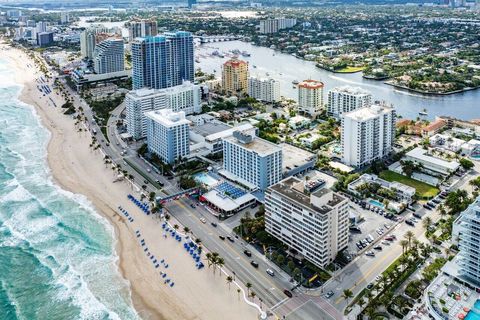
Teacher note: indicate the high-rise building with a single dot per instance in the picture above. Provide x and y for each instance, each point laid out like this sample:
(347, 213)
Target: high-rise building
(315, 224)
(466, 230)
(191, 3)
(310, 97)
(264, 89)
(274, 25)
(345, 99)
(367, 134)
(64, 17)
(109, 56)
(142, 28)
(185, 97)
(41, 26)
(251, 161)
(163, 61)
(235, 77)
(44, 39)
(87, 43)
(168, 134)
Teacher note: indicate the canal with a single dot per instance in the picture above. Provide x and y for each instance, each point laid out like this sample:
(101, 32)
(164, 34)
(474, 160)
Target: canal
(287, 68)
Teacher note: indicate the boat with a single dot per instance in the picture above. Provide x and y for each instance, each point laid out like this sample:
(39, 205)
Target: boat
(246, 54)
(295, 82)
(236, 51)
(254, 66)
(423, 112)
(268, 74)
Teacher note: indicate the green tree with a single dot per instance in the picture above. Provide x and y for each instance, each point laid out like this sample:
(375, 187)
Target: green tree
(347, 294)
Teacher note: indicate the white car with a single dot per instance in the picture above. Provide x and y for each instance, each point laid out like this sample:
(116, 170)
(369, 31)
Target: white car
(203, 219)
(270, 272)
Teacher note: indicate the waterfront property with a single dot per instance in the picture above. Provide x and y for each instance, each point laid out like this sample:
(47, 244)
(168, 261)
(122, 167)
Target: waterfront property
(264, 89)
(109, 56)
(234, 77)
(314, 224)
(228, 199)
(346, 99)
(310, 97)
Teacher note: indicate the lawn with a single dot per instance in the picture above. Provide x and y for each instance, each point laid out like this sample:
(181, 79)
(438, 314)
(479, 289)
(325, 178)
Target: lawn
(423, 190)
(350, 69)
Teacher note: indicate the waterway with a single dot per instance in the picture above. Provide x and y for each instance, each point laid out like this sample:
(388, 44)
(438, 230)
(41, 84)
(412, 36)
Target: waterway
(286, 68)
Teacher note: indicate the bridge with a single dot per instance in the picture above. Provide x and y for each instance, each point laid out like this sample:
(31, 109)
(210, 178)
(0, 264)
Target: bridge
(176, 196)
(207, 39)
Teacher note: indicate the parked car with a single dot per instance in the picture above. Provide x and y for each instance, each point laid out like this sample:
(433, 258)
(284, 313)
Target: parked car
(230, 239)
(203, 220)
(329, 294)
(370, 254)
(222, 237)
(370, 286)
(379, 248)
(410, 223)
(287, 293)
(213, 224)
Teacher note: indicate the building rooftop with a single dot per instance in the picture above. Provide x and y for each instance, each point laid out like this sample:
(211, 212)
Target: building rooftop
(364, 114)
(435, 125)
(421, 155)
(168, 118)
(255, 144)
(235, 63)
(294, 157)
(293, 189)
(311, 84)
(351, 90)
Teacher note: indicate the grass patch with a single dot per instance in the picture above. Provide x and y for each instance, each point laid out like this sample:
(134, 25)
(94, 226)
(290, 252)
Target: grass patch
(423, 190)
(350, 69)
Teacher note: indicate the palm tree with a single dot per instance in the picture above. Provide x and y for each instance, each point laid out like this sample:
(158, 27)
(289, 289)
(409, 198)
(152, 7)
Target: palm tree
(404, 244)
(347, 294)
(209, 259)
(229, 281)
(248, 285)
(409, 235)
(253, 294)
(220, 263)
(427, 223)
(186, 230)
(238, 293)
(175, 226)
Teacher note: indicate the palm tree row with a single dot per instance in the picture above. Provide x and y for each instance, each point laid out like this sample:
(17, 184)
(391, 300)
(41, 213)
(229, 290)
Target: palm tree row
(214, 259)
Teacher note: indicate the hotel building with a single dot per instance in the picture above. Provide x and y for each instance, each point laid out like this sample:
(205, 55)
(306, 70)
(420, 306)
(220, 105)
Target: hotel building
(251, 161)
(315, 224)
(109, 56)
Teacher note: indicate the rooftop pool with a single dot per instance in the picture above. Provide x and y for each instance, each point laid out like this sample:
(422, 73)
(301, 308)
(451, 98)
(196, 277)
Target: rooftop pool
(205, 178)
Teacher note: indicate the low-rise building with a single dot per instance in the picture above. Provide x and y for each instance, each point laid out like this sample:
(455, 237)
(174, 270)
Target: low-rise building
(315, 224)
(298, 122)
(431, 164)
(471, 148)
(433, 128)
(168, 134)
(446, 142)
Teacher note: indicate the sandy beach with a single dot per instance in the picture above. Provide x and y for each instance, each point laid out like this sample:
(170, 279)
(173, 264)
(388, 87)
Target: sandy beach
(197, 294)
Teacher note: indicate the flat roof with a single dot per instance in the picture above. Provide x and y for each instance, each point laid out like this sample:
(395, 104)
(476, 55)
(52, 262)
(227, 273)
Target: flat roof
(210, 128)
(227, 203)
(168, 118)
(294, 157)
(420, 154)
(371, 112)
(258, 145)
(229, 131)
(351, 90)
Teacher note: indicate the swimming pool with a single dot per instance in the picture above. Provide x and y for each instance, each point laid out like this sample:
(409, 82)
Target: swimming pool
(204, 178)
(376, 203)
(474, 314)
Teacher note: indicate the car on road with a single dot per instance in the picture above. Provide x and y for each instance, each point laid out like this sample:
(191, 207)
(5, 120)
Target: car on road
(192, 206)
(145, 181)
(329, 294)
(203, 219)
(254, 264)
(370, 286)
(270, 272)
(222, 237)
(385, 242)
(213, 224)
(159, 183)
(230, 239)
(247, 253)
(287, 293)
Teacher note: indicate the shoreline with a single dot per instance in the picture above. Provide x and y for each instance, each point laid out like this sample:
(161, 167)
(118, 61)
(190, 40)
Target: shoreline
(428, 93)
(73, 171)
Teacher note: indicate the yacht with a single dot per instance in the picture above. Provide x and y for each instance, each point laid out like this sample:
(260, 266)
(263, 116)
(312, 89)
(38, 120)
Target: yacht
(295, 82)
(423, 112)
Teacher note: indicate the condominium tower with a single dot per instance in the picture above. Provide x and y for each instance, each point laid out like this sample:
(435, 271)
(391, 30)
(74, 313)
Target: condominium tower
(235, 77)
(168, 134)
(185, 97)
(109, 56)
(251, 161)
(345, 99)
(162, 61)
(310, 97)
(466, 230)
(264, 89)
(314, 224)
(367, 134)
(142, 28)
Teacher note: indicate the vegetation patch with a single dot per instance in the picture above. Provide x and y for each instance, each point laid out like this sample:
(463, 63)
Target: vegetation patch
(423, 190)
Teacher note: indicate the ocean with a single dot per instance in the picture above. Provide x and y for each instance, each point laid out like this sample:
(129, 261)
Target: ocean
(57, 257)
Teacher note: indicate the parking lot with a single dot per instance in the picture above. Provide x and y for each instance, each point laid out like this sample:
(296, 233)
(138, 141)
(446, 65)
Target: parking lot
(372, 226)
